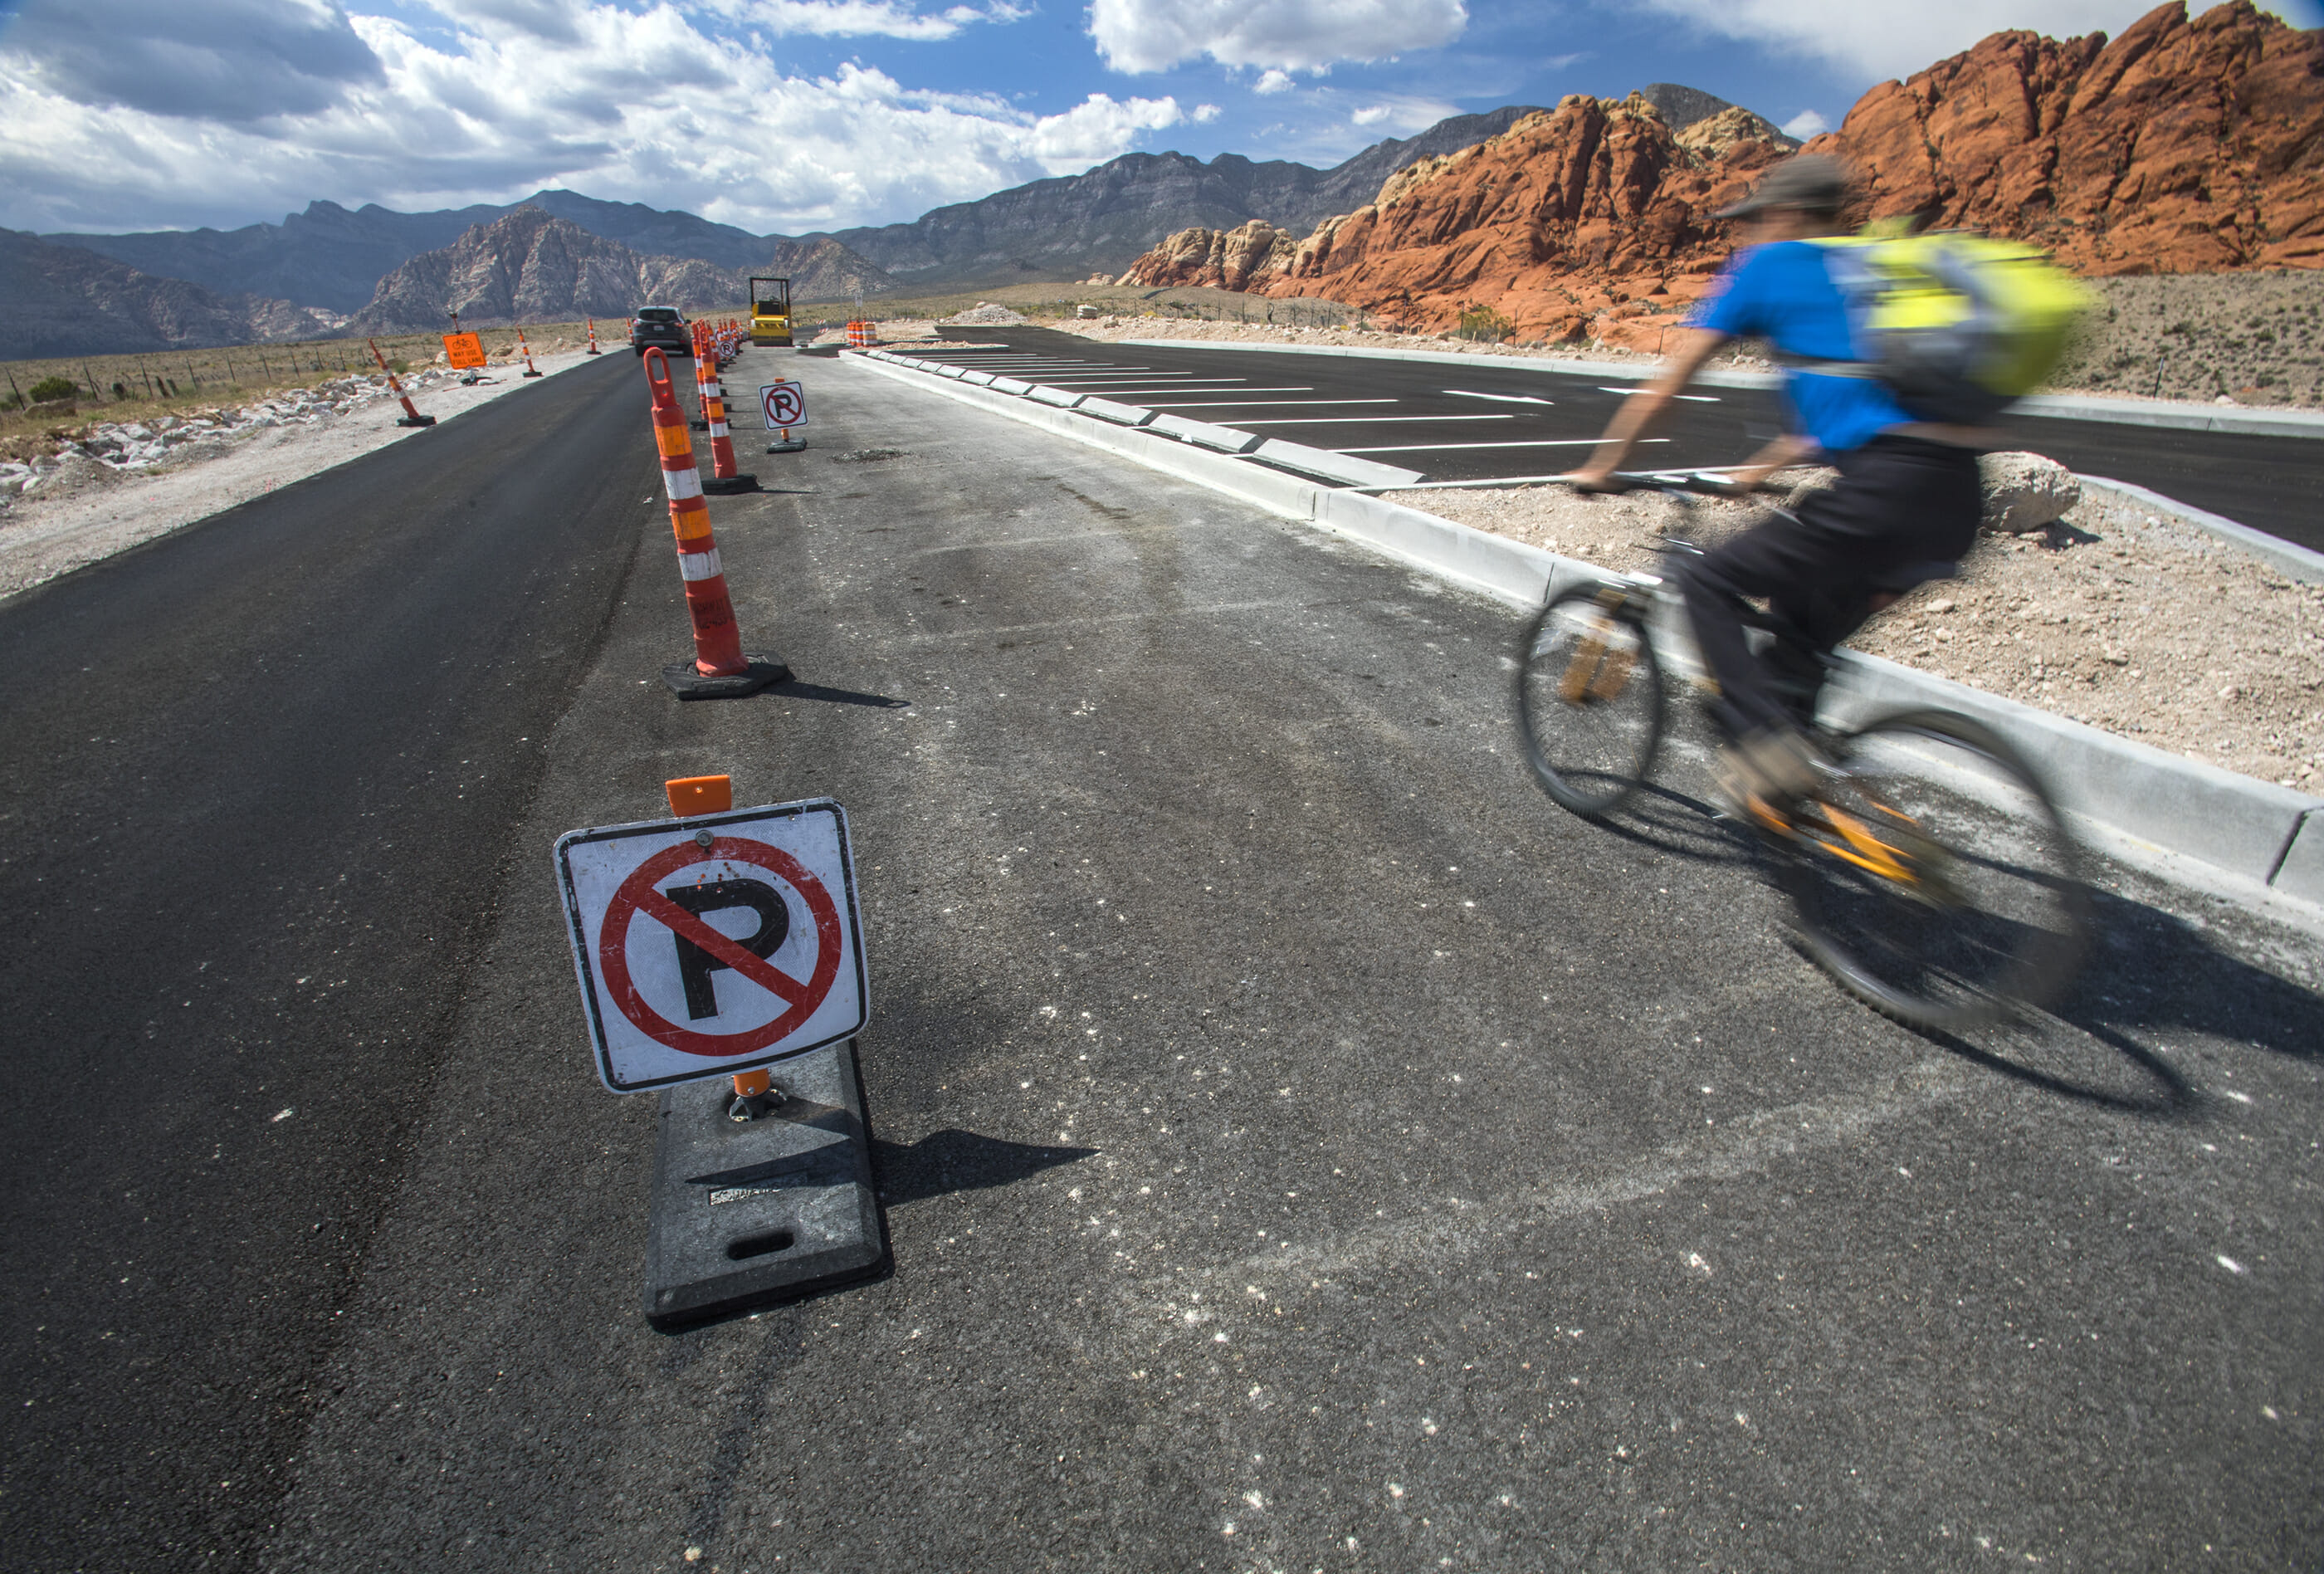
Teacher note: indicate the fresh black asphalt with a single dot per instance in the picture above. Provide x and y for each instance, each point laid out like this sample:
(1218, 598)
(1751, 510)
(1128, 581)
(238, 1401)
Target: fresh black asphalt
(256, 797)
(2268, 483)
(1304, 1147)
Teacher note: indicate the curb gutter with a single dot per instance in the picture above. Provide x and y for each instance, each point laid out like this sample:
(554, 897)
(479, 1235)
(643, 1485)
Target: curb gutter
(2161, 412)
(2293, 560)
(2250, 838)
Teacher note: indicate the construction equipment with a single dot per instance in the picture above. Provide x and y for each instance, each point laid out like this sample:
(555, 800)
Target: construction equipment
(771, 311)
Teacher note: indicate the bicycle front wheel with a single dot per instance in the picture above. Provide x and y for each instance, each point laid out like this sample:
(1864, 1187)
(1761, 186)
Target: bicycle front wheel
(1932, 875)
(1590, 698)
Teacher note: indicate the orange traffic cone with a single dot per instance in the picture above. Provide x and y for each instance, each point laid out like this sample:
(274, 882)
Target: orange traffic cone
(411, 416)
(530, 369)
(593, 348)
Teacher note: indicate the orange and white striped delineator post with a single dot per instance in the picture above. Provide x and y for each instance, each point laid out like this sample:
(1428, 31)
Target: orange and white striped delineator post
(530, 369)
(724, 481)
(719, 668)
(593, 348)
(411, 416)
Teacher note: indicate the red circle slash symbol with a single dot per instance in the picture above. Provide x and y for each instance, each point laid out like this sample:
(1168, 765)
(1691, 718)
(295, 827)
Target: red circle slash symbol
(637, 895)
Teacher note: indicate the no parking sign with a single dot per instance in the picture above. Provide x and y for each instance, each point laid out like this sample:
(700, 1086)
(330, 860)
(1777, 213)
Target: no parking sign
(784, 405)
(716, 943)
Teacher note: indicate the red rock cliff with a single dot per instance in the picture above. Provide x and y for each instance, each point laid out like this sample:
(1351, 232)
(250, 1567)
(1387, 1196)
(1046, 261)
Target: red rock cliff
(2182, 145)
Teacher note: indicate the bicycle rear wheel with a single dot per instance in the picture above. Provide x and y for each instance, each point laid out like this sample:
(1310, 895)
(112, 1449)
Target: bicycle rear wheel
(1932, 875)
(1590, 698)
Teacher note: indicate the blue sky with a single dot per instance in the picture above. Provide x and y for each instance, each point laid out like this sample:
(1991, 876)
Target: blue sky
(796, 114)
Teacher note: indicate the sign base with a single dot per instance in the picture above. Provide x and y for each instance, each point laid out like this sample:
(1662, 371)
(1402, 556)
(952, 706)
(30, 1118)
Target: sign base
(746, 1213)
(688, 682)
(792, 446)
(729, 485)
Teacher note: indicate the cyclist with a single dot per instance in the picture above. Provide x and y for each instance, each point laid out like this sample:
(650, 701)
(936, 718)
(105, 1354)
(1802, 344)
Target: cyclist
(1904, 509)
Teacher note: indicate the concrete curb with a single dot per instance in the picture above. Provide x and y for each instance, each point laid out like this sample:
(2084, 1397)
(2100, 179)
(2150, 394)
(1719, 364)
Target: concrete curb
(2296, 561)
(2163, 412)
(2256, 842)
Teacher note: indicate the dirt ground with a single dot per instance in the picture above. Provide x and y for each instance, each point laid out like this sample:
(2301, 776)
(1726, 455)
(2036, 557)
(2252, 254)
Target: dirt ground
(2129, 620)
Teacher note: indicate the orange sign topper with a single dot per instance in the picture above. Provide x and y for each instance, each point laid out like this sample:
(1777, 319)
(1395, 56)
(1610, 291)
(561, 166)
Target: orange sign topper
(465, 350)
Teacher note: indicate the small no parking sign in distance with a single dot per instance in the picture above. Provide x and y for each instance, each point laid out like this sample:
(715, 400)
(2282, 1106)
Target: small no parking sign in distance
(714, 944)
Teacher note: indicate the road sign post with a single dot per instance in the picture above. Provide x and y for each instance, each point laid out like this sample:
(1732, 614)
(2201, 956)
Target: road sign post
(785, 406)
(721, 963)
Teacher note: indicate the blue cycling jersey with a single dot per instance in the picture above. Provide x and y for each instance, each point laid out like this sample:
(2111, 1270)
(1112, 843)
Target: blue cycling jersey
(1784, 293)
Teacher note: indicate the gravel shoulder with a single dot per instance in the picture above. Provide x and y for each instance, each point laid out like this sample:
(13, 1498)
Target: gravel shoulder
(2129, 620)
(99, 498)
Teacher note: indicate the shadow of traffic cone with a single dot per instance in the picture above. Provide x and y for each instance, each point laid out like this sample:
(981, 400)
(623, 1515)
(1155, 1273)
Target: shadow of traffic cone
(719, 668)
(411, 416)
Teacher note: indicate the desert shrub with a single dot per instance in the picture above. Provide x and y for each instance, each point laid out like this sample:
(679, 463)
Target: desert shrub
(49, 388)
(1484, 324)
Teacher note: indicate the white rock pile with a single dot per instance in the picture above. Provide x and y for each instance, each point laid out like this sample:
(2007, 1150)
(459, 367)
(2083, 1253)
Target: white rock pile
(136, 444)
(987, 314)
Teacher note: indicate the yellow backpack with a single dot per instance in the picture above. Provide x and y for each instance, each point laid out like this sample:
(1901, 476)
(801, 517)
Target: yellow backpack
(1959, 326)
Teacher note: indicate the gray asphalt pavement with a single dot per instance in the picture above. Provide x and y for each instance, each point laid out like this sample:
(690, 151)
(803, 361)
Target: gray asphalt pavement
(1459, 422)
(1304, 1147)
(258, 779)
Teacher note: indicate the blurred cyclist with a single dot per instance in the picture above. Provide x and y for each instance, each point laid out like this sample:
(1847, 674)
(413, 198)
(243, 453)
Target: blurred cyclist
(1905, 508)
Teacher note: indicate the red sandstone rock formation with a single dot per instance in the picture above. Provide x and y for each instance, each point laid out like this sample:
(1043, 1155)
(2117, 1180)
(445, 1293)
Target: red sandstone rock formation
(2183, 145)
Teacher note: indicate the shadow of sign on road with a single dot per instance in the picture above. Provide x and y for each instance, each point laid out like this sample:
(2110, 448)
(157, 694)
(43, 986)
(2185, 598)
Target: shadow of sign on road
(950, 1161)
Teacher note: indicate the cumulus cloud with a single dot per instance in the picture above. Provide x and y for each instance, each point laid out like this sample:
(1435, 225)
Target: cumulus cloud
(1371, 114)
(234, 61)
(1806, 124)
(633, 104)
(1895, 41)
(1153, 35)
(863, 18)
(1272, 82)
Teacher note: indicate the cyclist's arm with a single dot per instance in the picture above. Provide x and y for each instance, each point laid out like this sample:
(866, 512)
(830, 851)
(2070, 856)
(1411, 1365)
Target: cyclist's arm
(1642, 409)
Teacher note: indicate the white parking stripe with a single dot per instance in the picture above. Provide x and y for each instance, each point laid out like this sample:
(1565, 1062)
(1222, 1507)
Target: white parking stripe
(1551, 442)
(1690, 398)
(1499, 398)
(1369, 419)
(1256, 404)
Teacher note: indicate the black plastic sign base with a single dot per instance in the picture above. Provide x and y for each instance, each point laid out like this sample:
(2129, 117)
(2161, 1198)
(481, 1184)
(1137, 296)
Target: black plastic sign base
(746, 1213)
(415, 421)
(688, 681)
(792, 446)
(729, 485)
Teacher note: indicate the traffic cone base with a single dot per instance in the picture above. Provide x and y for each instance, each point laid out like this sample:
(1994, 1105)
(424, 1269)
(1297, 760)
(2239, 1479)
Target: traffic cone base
(415, 421)
(690, 681)
(729, 485)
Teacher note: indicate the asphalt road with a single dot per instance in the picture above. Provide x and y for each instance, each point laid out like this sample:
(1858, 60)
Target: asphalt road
(256, 799)
(1458, 422)
(1303, 1146)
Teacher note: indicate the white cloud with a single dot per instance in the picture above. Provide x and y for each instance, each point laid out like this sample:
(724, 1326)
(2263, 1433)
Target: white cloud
(863, 18)
(1206, 113)
(1806, 124)
(1153, 35)
(633, 105)
(1886, 41)
(1371, 114)
(1272, 82)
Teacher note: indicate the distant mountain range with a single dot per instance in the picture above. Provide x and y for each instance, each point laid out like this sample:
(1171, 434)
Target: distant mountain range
(65, 301)
(332, 257)
(109, 293)
(531, 265)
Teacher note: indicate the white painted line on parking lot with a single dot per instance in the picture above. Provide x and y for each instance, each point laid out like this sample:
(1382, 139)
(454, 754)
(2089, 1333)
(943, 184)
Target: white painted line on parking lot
(1501, 398)
(1269, 403)
(1690, 398)
(1548, 442)
(1368, 420)
(1225, 387)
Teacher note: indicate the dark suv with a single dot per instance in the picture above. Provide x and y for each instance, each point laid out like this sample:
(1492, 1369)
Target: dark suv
(663, 325)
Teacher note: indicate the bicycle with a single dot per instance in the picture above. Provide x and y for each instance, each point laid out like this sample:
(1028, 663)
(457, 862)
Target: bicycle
(1930, 872)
